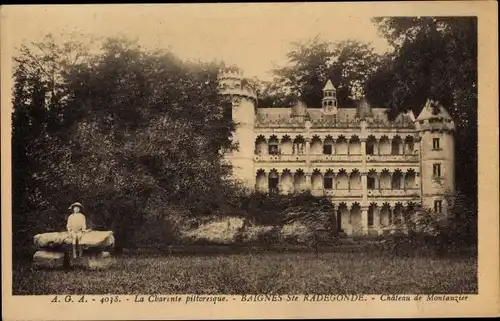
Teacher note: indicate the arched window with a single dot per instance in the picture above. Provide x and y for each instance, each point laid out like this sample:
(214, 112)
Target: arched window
(370, 145)
(328, 145)
(273, 147)
(273, 181)
(328, 179)
(371, 177)
(299, 145)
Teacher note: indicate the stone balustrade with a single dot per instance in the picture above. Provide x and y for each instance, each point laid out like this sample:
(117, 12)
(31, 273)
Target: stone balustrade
(343, 192)
(327, 158)
(386, 124)
(280, 158)
(324, 123)
(337, 192)
(412, 158)
(393, 192)
(335, 158)
(409, 192)
(278, 124)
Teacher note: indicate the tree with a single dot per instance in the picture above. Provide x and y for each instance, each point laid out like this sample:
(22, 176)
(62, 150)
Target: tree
(307, 71)
(39, 145)
(271, 94)
(136, 129)
(134, 98)
(436, 58)
(454, 229)
(353, 62)
(347, 63)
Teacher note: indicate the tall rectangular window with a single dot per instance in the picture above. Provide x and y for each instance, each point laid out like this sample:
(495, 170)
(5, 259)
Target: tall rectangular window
(273, 185)
(438, 206)
(395, 147)
(370, 182)
(369, 149)
(435, 143)
(370, 218)
(328, 183)
(298, 149)
(327, 149)
(436, 170)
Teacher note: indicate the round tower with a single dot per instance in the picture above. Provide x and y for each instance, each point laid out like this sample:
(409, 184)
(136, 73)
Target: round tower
(436, 130)
(243, 108)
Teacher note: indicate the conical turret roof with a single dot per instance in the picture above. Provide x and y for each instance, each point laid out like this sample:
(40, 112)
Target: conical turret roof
(433, 109)
(329, 86)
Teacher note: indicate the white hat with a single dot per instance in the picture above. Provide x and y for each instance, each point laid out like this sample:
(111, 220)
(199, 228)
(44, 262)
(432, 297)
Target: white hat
(75, 204)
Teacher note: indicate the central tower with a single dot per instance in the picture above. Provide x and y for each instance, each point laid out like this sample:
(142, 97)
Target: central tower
(329, 101)
(243, 108)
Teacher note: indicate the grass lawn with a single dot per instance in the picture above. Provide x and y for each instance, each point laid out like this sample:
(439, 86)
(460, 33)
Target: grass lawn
(281, 273)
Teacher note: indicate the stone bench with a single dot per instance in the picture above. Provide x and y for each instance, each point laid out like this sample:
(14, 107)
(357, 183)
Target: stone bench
(57, 260)
(55, 250)
(91, 239)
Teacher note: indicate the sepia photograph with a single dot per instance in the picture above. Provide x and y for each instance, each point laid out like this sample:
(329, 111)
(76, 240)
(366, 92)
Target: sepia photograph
(261, 151)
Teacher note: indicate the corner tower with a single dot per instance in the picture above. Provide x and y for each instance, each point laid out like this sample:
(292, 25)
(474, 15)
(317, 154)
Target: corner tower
(436, 131)
(242, 108)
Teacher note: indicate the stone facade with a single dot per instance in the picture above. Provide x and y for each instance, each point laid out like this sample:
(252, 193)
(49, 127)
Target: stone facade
(371, 168)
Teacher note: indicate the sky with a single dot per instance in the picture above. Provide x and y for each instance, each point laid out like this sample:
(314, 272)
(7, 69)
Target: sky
(255, 37)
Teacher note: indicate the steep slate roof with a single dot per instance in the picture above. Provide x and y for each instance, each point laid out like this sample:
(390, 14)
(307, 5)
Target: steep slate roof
(343, 114)
(427, 112)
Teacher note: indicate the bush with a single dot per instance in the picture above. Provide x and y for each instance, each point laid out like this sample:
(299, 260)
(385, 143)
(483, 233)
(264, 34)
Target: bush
(423, 230)
(270, 237)
(220, 231)
(278, 210)
(296, 233)
(252, 234)
(162, 228)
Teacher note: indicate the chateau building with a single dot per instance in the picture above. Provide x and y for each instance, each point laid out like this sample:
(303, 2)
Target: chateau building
(372, 169)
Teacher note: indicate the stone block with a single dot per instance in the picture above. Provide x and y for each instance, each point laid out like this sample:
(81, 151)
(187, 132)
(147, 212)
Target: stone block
(90, 239)
(48, 259)
(93, 261)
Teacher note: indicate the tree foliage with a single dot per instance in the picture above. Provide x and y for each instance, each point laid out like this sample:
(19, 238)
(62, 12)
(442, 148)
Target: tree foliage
(278, 210)
(311, 63)
(272, 95)
(452, 230)
(39, 145)
(436, 58)
(124, 131)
